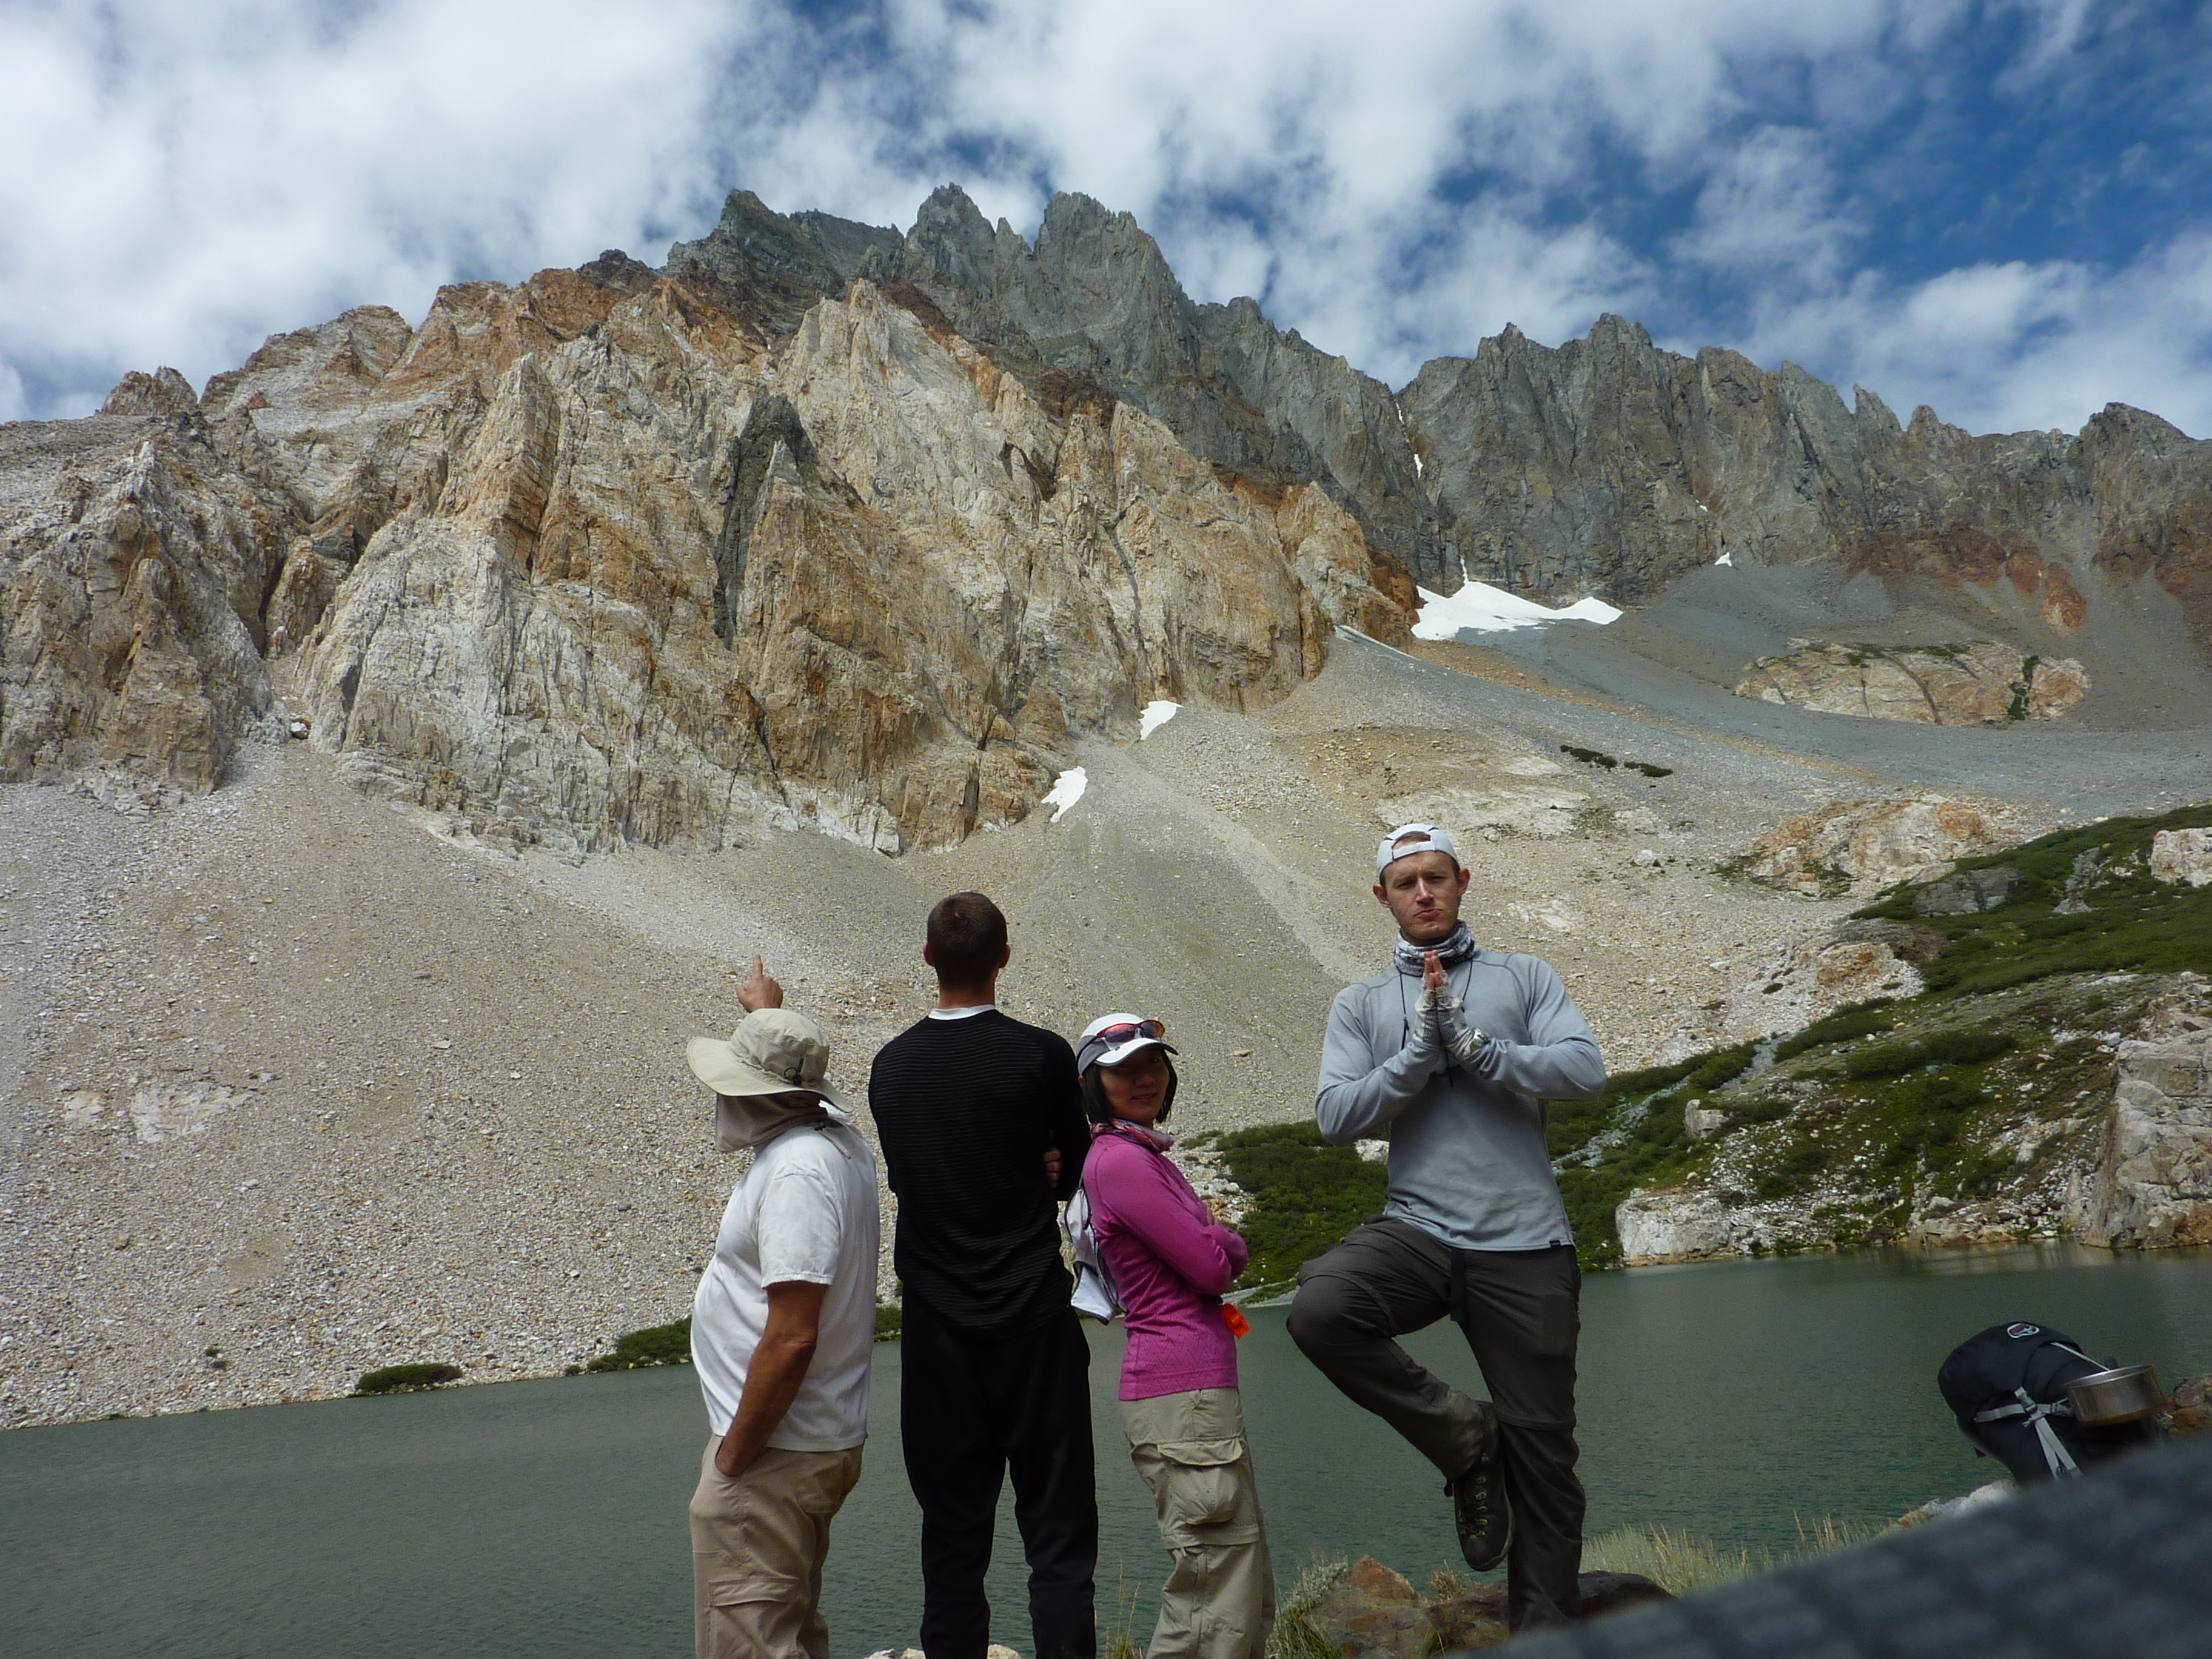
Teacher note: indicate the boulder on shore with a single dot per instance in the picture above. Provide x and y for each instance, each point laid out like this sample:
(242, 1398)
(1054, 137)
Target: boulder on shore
(1370, 1612)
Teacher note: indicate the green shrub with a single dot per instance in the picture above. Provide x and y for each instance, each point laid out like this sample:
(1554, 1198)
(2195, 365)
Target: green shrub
(1306, 1196)
(890, 1319)
(406, 1379)
(1590, 756)
(656, 1345)
(1651, 771)
(1637, 1127)
(2134, 924)
(1856, 1020)
(1962, 1048)
(1723, 1066)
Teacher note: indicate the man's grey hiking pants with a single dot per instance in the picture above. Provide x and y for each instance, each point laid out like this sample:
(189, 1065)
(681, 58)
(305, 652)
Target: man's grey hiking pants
(1520, 1311)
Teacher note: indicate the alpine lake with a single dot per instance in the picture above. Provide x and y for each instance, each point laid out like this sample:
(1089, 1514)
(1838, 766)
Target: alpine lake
(1736, 1401)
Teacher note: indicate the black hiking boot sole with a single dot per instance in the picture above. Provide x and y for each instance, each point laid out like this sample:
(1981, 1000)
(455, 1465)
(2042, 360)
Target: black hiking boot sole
(1481, 1514)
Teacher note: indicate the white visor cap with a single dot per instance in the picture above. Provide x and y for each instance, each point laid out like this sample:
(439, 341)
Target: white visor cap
(1429, 838)
(1093, 1047)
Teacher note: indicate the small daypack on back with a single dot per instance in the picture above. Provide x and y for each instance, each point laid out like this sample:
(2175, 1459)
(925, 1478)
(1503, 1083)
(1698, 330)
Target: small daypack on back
(1094, 1286)
(2007, 1387)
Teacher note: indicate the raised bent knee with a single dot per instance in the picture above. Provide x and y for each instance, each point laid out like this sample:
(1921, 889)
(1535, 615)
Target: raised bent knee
(1322, 1316)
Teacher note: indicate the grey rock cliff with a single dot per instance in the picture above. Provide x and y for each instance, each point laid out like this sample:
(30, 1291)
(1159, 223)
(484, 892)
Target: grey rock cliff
(1606, 465)
(1092, 310)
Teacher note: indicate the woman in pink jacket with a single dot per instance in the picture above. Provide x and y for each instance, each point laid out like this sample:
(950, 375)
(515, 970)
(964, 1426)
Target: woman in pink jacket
(1169, 1261)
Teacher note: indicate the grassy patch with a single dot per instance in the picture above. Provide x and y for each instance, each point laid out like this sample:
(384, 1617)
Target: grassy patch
(1684, 1563)
(406, 1379)
(1630, 1136)
(1588, 756)
(1954, 1048)
(1306, 1196)
(1858, 1020)
(1294, 1636)
(656, 1345)
(1722, 1067)
(1651, 771)
(2132, 923)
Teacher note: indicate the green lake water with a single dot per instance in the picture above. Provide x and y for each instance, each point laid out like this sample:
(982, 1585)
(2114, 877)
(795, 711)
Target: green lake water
(547, 1519)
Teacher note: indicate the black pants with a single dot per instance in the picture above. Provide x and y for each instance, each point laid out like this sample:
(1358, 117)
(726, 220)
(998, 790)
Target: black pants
(972, 1409)
(1520, 1310)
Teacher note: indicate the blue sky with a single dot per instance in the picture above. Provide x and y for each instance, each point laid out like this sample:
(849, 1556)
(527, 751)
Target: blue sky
(2000, 210)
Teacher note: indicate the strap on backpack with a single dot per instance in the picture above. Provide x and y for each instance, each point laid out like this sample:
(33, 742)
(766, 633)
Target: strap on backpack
(2038, 1413)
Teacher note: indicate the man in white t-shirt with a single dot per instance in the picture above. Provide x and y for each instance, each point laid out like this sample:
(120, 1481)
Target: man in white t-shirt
(781, 1335)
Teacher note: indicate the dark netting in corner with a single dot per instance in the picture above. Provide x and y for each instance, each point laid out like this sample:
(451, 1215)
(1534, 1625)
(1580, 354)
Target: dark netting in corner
(2114, 1564)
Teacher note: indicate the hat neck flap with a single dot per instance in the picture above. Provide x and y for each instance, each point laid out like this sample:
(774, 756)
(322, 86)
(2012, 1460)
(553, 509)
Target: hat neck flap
(748, 1123)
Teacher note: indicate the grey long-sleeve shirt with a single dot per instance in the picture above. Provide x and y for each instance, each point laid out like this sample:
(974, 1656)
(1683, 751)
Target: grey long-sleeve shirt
(1467, 1159)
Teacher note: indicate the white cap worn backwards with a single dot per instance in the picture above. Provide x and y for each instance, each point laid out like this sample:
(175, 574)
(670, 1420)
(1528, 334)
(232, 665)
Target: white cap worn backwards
(1428, 838)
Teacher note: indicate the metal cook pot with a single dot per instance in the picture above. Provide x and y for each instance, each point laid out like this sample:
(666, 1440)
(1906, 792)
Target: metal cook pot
(2126, 1393)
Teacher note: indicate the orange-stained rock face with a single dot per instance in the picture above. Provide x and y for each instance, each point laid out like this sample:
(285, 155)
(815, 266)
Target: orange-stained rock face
(588, 560)
(1981, 684)
(624, 573)
(1864, 846)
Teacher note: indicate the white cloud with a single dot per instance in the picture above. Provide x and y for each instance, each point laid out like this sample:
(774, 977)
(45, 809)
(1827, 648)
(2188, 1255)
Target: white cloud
(1768, 212)
(1396, 181)
(205, 174)
(2018, 347)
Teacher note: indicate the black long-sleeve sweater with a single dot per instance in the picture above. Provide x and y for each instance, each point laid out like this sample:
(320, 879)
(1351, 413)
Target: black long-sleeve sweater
(965, 1109)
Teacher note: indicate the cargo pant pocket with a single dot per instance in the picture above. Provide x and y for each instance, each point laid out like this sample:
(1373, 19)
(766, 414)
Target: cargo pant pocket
(1203, 1490)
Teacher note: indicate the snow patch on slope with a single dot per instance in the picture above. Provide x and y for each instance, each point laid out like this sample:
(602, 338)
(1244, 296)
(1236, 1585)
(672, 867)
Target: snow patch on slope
(1066, 789)
(1488, 609)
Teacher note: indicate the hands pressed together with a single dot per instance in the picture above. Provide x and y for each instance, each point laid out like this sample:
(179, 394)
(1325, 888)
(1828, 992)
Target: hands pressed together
(1441, 1028)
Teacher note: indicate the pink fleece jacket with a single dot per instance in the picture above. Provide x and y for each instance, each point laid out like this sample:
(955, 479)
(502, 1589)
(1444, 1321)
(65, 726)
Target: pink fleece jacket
(1170, 1262)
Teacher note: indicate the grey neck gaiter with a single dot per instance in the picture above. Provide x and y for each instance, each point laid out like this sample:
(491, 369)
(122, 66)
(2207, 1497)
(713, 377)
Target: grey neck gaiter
(1452, 949)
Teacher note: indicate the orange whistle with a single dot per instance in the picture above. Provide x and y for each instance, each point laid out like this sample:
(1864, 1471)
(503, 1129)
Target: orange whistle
(1233, 1317)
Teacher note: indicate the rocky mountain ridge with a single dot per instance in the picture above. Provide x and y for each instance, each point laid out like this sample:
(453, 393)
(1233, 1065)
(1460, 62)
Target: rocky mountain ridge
(590, 559)
(1606, 464)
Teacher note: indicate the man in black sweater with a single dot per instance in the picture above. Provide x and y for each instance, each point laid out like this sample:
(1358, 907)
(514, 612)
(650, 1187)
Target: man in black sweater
(981, 1121)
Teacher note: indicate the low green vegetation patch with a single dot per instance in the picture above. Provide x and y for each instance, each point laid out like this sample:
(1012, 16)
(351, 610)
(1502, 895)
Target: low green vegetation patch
(1630, 1136)
(1859, 1019)
(1723, 1065)
(656, 1345)
(1599, 757)
(406, 1379)
(2088, 905)
(1306, 1196)
(890, 1320)
(1954, 1048)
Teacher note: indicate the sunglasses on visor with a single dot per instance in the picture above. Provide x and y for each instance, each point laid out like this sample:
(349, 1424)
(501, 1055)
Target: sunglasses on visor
(1115, 1035)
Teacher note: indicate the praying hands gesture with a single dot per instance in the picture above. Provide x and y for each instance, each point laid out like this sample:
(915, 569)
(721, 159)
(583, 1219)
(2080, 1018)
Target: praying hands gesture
(1460, 1041)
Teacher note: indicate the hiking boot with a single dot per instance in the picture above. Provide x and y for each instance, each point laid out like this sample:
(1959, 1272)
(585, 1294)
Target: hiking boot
(1480, 1512)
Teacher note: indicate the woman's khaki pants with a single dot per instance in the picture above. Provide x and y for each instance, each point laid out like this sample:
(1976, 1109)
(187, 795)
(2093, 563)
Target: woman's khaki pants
(1219, 1599)
(758, 1546)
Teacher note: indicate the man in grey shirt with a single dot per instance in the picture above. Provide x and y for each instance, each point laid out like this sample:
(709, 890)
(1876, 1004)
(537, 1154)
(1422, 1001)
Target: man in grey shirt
(1451, 1054)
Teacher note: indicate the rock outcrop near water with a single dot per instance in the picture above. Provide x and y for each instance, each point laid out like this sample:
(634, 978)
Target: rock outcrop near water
(2153, 1181)
(827, 523)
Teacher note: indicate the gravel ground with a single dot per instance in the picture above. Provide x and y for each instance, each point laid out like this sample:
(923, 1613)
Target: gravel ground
(294, 1085)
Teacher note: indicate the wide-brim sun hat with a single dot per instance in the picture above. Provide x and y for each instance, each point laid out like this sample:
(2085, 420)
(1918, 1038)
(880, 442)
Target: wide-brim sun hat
(1096, 1048)
(773, 1051)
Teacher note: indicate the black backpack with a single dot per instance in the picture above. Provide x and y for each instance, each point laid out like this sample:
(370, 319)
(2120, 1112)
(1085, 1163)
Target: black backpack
(2007, 1386)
